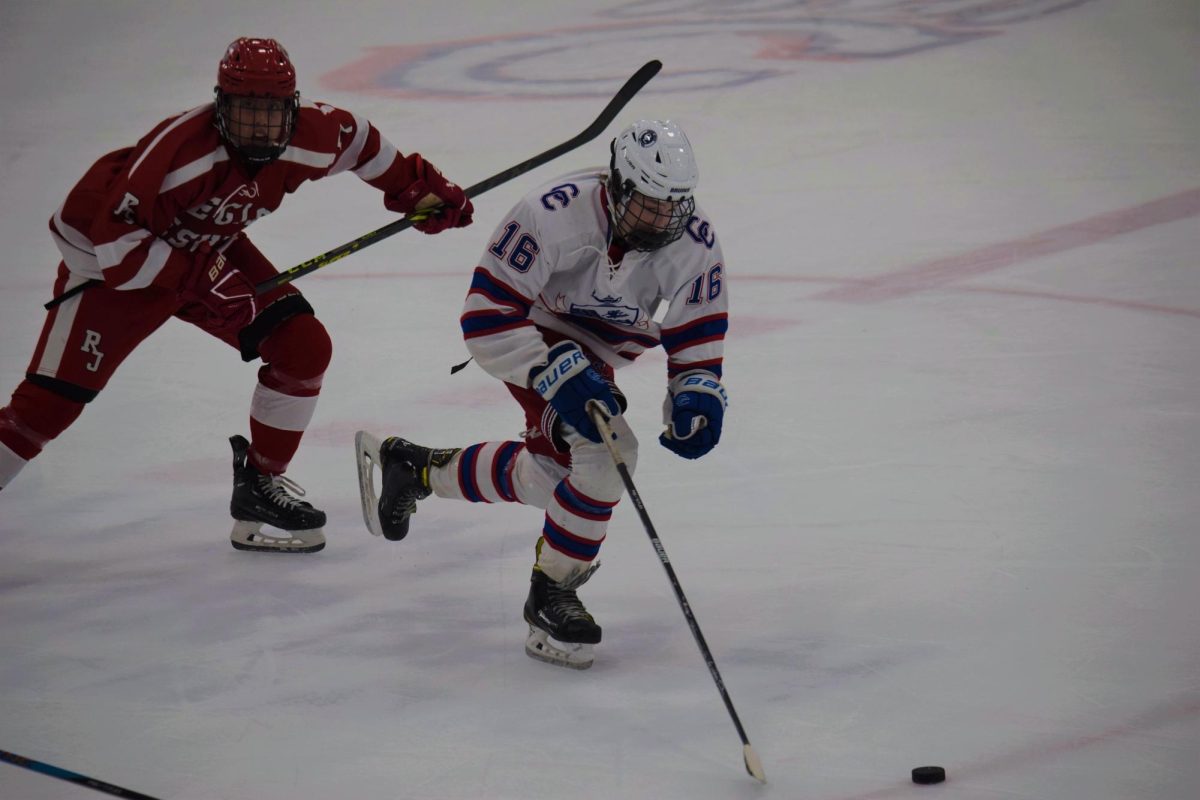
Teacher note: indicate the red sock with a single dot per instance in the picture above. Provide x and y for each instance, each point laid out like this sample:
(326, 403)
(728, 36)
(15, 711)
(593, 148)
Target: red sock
(295, 357)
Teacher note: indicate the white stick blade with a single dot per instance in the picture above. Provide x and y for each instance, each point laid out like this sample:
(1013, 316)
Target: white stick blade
(753, 765)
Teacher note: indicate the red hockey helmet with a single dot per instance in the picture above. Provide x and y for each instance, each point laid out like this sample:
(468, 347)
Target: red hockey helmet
(257, 67)
(256, 98)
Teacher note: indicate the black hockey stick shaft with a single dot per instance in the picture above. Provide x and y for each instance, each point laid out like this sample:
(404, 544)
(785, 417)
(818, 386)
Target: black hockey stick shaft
(71, 777)
(619, 101)
(601, 420)
(69, 293)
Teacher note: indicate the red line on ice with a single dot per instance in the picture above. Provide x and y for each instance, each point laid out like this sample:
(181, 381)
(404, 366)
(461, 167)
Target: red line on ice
(939, 272)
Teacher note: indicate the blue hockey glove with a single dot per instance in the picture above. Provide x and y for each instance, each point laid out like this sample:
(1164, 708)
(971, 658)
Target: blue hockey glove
(693, 412)
(567, 382)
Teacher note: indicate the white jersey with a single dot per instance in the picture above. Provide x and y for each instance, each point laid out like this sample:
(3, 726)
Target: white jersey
(548, 268)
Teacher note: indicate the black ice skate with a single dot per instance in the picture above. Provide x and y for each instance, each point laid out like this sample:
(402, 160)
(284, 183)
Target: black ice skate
(260, 499)
(561, 631)
(405, 469)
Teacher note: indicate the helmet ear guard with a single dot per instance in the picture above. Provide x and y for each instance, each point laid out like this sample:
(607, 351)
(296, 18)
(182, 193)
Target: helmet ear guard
(652, 175)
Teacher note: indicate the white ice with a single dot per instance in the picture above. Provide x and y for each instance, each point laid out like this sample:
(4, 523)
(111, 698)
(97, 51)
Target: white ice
(952, 520)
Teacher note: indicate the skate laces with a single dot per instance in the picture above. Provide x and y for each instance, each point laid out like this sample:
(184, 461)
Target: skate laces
(565, 603)
(277, 489)
(562, 597)
(406, 498)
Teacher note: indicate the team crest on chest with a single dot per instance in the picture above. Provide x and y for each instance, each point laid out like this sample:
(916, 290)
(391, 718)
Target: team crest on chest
(608, 308)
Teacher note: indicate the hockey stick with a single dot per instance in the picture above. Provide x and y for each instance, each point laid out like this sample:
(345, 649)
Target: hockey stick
(619, 101)
(69, 293)
(622, 97)
(600, 418)
(71, 777)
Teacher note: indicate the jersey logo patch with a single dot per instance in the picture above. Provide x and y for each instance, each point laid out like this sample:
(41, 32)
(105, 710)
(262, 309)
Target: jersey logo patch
(126, 210)
(559, 194)
(607, 309)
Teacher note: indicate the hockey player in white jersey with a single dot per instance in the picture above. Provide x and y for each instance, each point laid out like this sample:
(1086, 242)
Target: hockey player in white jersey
(569, 290)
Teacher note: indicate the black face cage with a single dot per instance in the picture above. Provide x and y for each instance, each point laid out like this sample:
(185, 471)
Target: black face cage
(278, 136)
(643, 228)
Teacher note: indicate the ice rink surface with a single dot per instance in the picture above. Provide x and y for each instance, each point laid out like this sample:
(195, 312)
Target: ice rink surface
(952, 520)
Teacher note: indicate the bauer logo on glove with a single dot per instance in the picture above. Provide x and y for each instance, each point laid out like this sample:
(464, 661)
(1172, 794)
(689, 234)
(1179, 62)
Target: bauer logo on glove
(693, 412)
(561, 368)
(704, 382)
(568, 382)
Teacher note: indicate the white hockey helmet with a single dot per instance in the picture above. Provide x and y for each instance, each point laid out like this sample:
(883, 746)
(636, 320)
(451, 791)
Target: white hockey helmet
(652, 159)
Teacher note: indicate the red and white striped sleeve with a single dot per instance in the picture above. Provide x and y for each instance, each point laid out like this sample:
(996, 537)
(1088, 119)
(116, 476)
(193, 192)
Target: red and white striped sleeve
(360, 148)
(125, 227)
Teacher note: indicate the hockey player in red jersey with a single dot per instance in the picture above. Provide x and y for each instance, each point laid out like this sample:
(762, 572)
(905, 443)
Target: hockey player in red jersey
(156, 231)
(570, 289)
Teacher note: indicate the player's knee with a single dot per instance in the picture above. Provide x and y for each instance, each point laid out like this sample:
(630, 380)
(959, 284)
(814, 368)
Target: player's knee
(593, 471)
(627, 443)
(36, 414)
(630, 451)
(597, 480)
(299, 347)
(535, 478)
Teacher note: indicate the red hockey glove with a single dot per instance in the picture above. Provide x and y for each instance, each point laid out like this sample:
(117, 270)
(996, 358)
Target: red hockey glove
(225, 293)
(430, 190)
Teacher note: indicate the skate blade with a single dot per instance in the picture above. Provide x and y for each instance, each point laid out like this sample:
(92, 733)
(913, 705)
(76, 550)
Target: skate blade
(366, 454)
(248, 535)
(543, 647)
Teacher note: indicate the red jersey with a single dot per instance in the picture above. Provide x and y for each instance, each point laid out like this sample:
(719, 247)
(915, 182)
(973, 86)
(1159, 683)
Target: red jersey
(139, 214)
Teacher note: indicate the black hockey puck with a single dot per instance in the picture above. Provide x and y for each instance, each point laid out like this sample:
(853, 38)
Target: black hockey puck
(928, 774)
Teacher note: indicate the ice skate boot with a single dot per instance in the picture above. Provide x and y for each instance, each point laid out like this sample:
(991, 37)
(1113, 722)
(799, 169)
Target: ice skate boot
(561, 631)
(260, 499)
(404, 467)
